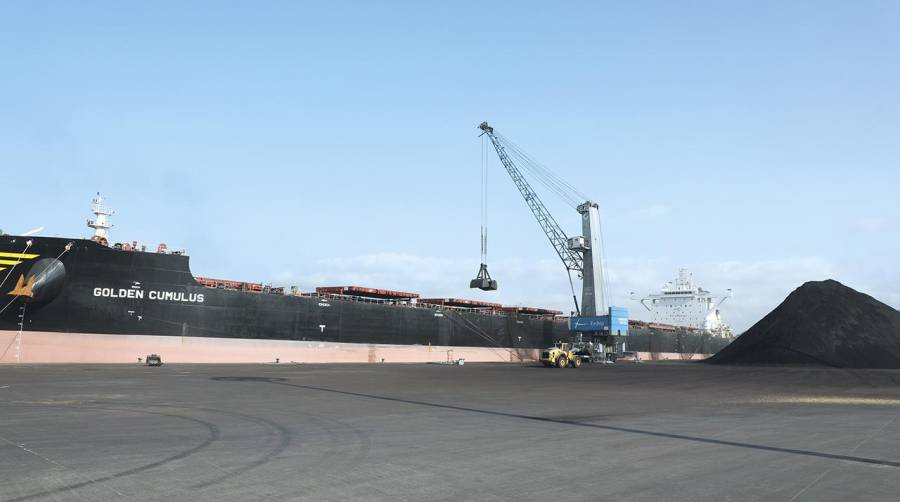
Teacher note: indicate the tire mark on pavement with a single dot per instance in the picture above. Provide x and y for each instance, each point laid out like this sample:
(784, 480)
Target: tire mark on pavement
(828, 471)
(213, 434)
(613, 428)
(284, 440)
(283, 433)
(285, 437)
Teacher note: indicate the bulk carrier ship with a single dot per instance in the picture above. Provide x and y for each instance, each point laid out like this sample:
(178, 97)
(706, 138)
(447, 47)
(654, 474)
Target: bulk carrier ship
(84, 300)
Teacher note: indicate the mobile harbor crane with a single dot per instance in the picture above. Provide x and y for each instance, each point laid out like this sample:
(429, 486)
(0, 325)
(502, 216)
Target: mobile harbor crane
(595, 318)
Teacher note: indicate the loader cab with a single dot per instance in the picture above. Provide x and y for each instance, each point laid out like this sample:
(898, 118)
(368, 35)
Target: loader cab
(563, 346)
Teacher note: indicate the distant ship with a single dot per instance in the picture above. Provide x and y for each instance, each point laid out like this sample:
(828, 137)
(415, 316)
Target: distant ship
(683, 304)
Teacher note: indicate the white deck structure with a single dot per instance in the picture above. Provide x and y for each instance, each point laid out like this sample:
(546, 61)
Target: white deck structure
(682, 303)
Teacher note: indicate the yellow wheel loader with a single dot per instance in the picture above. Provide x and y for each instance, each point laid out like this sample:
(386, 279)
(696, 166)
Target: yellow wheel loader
(560, 355)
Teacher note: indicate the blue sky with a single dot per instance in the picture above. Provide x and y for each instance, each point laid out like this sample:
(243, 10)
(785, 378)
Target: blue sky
(755, 143)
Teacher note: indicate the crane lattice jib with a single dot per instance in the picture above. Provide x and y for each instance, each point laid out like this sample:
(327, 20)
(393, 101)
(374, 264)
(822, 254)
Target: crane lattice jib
(557, 237)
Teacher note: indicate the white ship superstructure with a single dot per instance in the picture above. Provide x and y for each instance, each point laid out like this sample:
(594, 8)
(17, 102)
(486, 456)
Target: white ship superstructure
(684, 304)
(100, 223)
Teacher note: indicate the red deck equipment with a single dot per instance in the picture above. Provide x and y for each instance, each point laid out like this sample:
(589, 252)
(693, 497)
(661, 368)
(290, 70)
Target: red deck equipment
(459, 302)
(531, 310)
(367, 292)
(252, 287)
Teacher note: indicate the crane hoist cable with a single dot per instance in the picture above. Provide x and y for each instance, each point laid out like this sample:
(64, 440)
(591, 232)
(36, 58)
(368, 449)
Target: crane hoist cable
(483, 280)
(553, 182)
(484, 184)
(604, 269)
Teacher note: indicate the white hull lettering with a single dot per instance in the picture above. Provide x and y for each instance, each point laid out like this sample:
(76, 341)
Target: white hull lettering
(119, 293)
(138, 294)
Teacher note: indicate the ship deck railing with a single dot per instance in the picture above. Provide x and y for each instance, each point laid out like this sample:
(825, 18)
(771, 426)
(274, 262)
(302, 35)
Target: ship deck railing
(408, 304)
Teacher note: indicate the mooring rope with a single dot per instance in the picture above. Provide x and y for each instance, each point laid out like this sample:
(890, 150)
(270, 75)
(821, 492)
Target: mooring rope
(28, 244)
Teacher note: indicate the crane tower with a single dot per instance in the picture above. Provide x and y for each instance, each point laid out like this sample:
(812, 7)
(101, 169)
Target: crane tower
(593, 294)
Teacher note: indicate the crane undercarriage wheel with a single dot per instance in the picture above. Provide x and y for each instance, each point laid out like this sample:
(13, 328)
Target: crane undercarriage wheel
(576, 363)
(561, 362)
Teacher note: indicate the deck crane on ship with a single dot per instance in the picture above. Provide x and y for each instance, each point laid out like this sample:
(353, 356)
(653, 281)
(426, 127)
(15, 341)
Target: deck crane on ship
(583, 254)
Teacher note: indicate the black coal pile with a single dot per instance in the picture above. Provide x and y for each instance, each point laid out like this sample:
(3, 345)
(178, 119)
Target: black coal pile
(821, 322)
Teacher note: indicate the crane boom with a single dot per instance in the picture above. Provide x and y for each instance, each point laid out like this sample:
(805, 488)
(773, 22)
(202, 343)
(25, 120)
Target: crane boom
(583, 254)
(571, 259)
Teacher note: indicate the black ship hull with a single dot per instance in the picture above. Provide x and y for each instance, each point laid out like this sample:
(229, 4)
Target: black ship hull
(110, 291)
(67, 286)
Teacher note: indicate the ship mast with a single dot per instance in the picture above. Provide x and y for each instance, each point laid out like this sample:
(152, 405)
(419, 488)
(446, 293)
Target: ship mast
(100, 223)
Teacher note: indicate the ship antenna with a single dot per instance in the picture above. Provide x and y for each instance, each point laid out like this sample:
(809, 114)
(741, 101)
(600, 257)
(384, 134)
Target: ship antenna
(100, 223)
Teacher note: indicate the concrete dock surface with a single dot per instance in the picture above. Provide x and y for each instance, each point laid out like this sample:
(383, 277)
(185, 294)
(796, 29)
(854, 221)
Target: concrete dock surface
(648, 431)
